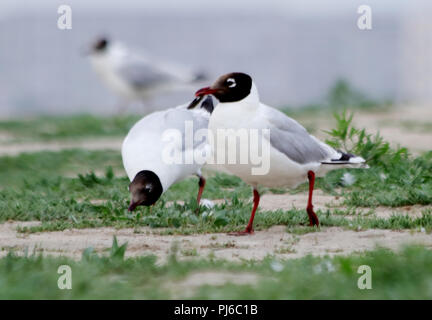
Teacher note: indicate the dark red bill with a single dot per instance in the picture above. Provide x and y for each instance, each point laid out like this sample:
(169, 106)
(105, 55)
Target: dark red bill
(132, 206)
(205, 91)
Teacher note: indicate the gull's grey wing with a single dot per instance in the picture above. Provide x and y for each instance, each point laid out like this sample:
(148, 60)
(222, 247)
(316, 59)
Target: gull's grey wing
(178, 117)
(292, 139)
(141, 75)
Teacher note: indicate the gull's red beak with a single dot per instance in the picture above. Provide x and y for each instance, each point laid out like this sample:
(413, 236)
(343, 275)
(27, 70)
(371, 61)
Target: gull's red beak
(132, 206)
(205, 91)
(200, 95)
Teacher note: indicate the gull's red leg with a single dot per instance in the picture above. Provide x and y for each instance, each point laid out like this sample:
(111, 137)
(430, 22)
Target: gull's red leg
(249, 227)
(256, 199)
(313, 219)
(201, 184)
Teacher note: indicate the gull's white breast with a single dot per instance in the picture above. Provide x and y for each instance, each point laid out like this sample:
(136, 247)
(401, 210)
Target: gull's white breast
(282, 171)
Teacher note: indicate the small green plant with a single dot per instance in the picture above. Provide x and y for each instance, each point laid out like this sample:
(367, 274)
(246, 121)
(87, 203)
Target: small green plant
(371, 147)
(118, 252)
(395, 178)
(89, 179)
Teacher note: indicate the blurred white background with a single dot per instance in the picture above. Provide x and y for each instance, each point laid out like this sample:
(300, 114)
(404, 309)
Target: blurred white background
(295, 50)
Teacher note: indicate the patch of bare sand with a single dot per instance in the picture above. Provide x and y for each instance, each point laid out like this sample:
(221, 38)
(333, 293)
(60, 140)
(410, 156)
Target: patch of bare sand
(287, 201)
(322, 201)
(413, 211)
(90, 144)
(273, 241)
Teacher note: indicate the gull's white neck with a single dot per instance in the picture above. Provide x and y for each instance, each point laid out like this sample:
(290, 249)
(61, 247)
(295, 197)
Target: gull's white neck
(250, 102)
(235, 114)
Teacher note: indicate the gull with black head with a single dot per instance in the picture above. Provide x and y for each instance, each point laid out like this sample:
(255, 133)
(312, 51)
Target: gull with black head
(295, 156)
(145, 145)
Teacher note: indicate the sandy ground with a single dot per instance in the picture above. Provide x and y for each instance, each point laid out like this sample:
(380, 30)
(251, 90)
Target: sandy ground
(274, 241)
(388, 124)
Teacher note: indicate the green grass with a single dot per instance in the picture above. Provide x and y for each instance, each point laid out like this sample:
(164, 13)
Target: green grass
(394, 179)
(403, 275)
(61, 202)
(47, 166)
(67, 127)
(68, 203)
(52, 187)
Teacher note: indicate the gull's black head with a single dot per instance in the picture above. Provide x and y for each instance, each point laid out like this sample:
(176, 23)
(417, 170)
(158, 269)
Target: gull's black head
(145, 189)
(230, 87)
(100, 45)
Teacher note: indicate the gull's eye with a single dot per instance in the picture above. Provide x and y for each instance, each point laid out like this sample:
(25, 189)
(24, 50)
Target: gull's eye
(231, 82)
(147, 188)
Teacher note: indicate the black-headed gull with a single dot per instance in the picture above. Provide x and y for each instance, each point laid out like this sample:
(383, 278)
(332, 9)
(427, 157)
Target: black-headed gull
(137, 76)
(294, 156)
(150, 146)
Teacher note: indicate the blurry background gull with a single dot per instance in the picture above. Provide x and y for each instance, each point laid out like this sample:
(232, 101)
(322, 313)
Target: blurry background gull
(138, 76)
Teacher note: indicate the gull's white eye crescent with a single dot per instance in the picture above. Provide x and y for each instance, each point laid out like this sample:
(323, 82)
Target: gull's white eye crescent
(231, 82)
